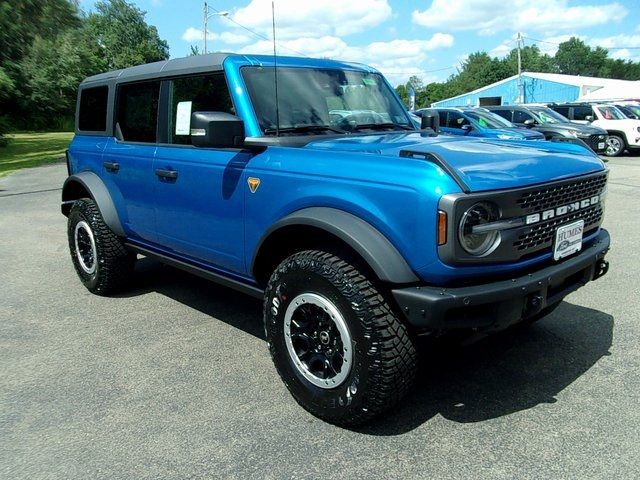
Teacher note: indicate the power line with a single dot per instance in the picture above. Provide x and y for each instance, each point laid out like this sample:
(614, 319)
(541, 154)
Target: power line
(555, 43)
(259, 35)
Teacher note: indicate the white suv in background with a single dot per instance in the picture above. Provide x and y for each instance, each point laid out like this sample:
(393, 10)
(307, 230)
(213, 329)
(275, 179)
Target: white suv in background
(624, 133)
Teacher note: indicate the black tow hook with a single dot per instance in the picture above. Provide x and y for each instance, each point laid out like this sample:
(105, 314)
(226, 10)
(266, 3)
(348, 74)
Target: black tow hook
(602, 267)
(533, 305)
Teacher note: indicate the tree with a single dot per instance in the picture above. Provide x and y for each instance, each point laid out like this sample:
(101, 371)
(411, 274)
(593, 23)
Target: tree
(124, 36)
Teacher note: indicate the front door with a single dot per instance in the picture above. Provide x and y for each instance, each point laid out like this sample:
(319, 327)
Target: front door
(199, 191)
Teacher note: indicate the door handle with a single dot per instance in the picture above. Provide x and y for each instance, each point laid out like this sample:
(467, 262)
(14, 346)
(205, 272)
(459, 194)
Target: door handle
(170, 174)
(111, 166)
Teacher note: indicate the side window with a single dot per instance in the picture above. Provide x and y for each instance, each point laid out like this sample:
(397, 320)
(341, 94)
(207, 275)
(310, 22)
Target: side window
(93, 109)
(443, 118)
(506, 114)
(519, 116)
(137, 114)
(203, 93)
(564, 111)
(456, 120)
(581, 113)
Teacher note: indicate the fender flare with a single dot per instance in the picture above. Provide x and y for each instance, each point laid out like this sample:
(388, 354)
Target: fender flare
(98, 192)
(379, 253)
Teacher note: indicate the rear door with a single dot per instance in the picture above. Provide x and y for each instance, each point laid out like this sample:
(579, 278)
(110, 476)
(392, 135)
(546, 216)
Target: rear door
(199, 191)
(127, 163)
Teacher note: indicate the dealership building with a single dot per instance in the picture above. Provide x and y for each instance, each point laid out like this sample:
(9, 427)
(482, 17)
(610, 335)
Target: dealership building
(546, 88)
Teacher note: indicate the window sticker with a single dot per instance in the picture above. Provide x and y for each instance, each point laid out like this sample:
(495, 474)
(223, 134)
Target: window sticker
(369, 81)
(183, 118)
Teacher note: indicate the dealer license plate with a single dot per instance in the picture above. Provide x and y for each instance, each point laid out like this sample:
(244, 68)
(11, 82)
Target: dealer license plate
(568, 240)
(601, 146)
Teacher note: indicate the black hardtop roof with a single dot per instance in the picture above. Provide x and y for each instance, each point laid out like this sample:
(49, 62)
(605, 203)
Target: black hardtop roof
(211, 62)
(165, 68)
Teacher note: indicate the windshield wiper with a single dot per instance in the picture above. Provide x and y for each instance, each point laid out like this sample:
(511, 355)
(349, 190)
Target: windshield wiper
(382, 126)
(305, 129)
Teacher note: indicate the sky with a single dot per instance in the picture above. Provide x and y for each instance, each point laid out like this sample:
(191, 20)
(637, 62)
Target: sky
(427, 38)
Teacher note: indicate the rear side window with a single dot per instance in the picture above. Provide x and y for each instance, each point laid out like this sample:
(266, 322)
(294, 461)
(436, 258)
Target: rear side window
(137, 114)
(520, 117)
(93, 109)
(203, 93)
(581, 113)
(562, 111)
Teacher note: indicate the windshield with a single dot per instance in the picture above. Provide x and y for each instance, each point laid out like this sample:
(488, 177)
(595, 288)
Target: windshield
(546, 115)
(313, 100)
(488, 119)
(609, 112)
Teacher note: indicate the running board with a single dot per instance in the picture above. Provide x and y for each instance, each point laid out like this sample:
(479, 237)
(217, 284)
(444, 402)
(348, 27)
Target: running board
(199, 271)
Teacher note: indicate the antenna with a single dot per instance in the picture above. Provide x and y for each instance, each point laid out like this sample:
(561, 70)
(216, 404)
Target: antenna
(275, 66)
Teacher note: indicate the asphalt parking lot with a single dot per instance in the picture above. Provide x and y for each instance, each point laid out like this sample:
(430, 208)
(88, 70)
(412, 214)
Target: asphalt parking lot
(173, 378)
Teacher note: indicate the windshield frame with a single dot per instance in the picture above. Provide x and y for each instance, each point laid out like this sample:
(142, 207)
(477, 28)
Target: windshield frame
(383, 85)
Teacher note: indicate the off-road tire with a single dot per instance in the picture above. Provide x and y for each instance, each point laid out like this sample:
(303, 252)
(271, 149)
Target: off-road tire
(114, 263)
(384, 354)
(618, 141)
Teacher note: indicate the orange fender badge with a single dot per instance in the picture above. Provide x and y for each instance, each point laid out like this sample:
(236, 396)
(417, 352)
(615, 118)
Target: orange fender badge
(254, 183)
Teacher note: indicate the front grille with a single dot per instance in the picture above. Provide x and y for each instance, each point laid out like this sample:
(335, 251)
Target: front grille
(594, 140)
(556, 195)
(542, 235)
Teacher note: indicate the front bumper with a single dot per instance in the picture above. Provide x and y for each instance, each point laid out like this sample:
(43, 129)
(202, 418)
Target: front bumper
(499, 304)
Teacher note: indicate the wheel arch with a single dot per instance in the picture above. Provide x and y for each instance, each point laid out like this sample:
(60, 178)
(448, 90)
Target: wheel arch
(620, 134)
(313, 227)
(88, 184)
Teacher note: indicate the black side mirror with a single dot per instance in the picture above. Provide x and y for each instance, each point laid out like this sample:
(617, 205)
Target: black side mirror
(589, 118)
(216, 129)
(430, 119)
(530, 122)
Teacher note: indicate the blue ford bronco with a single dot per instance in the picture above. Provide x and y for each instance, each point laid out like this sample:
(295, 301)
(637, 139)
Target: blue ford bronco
(358, 230)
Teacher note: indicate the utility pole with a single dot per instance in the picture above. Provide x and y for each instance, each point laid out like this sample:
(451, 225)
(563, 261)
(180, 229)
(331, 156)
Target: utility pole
(204, 27)
(520, 90)
(205, 21)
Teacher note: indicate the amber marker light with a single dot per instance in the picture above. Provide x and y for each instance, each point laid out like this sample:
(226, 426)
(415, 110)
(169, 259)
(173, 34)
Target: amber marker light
(442, 227)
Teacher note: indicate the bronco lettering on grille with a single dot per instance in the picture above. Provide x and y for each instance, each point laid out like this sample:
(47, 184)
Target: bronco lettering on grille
(562, 210)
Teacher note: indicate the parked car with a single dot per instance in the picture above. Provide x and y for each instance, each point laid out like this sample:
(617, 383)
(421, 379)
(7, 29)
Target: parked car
(552, 125)
(623, 133)
(357, 236)
(629, 110)
(478, 122)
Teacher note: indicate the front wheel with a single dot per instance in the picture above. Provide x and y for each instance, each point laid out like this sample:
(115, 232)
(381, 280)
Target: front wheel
(615, 146)
(337, 344)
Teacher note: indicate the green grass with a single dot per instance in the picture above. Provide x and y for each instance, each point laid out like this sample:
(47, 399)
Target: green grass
(26, 150)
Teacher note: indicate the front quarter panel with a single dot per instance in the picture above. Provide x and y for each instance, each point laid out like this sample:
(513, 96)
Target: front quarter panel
(397, 196)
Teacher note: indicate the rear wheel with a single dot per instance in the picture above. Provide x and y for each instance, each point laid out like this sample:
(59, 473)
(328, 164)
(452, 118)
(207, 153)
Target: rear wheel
(337, 344)
(99, 256)
(615, 146)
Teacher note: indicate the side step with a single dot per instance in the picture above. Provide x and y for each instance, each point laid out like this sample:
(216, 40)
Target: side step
(199, 271)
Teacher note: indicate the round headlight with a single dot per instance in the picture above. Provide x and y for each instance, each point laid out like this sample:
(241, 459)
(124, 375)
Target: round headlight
(479, 243)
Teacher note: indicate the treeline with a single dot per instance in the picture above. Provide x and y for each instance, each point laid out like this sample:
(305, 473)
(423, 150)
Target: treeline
(48, 46)
(573, 57)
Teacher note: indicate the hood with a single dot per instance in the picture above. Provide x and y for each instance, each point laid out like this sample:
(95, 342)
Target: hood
(526, 133)
(480, 163)
(575, 127)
